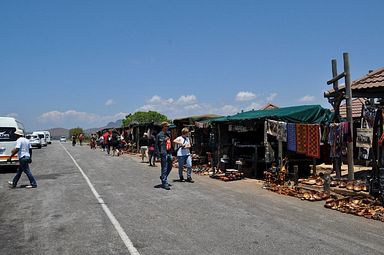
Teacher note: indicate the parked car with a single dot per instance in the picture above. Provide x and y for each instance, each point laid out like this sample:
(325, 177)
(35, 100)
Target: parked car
(34, 140)
(41, 135)
(63, 139)
(8, 139)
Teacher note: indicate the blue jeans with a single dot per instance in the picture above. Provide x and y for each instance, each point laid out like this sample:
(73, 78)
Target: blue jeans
(24, 167)
(166, 167)
(185, 160)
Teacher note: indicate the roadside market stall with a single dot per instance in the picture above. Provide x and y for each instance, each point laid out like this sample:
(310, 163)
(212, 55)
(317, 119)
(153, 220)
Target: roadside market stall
(200, 130)
(253, 140)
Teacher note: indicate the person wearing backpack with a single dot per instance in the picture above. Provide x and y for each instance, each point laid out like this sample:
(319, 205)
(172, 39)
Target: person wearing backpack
(183, 144)
(164, 151)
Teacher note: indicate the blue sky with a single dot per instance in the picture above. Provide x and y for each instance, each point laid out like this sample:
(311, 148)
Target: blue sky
(85, 63)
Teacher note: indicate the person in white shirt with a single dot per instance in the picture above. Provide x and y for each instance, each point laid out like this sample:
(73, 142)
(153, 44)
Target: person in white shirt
(184, 154)
(24, 152)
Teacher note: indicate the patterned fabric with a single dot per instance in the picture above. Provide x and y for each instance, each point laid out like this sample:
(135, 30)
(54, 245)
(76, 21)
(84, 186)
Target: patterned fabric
(301, 138)
(272, 127)
(313, 141)
(291, 136)
(282, 132)
(278, 129)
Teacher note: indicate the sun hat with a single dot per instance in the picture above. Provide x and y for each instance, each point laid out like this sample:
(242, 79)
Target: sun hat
(19, 132)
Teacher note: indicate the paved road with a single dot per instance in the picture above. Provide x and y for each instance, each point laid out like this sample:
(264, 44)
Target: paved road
(62, 216)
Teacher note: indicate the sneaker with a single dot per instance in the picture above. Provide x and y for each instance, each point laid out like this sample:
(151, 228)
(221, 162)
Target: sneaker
(10, 183)
(30, 187)
(182, 179)
(166, 186)
(189, 179)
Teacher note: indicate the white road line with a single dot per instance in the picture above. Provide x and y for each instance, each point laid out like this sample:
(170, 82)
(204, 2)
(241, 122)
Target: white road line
(128, 243)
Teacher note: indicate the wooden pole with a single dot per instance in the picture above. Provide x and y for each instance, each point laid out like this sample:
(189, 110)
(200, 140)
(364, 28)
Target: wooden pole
(336, 107)
(348, 97)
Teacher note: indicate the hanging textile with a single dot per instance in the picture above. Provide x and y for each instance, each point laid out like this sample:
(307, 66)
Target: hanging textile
(313, 141)
(282, 131)
(369, 114)
(301, 138)
(335, 140)
(347, 138)
(291, 136)
(325, 136)
(272, 127)
(267, 146)
(364, 137)
(278, 129)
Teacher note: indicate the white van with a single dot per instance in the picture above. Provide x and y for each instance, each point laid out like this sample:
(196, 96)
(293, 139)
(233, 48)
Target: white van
(41, 135)
(47, 136)
(8, 139)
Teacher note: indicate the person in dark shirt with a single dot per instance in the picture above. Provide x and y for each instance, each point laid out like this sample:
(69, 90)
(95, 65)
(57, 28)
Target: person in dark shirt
(151, 150)
(164, 151)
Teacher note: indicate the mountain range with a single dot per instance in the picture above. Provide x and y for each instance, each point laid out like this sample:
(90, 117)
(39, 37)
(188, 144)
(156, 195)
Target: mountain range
(58, 132)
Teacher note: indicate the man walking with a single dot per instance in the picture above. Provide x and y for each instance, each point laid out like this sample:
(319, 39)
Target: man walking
(163, 150)
(106, 141)
(24, 153)
(184, 155)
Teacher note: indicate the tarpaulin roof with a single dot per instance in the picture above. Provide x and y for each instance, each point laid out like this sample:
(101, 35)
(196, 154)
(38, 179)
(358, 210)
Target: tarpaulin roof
(192, 119)
(309, 114)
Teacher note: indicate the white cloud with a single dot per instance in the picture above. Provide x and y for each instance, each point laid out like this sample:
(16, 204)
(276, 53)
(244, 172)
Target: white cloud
(189, 99)
(185, 105)
(307, 99)
(147, 107)
(157, 100)
(272, 97)
(245, 96)
(12, 114)
(73, 118)
(229, 109)
(192, 107)
(109, 102)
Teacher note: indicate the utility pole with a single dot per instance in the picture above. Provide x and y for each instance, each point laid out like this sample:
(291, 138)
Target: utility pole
(335, 100)
(348, 97)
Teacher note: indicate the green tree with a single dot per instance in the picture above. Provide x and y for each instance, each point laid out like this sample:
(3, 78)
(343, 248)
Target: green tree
(75, 131)
(144, 117)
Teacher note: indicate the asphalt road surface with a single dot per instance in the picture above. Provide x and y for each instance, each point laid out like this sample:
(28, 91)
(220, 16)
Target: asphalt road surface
(126, 213)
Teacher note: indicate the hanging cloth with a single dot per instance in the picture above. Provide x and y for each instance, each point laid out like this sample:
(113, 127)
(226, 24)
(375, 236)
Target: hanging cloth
(313, 141)
(272, 127)
(364, 137)
(301, 138)
(369, 114)
(282, 131)
(278, 129)
(291, 136)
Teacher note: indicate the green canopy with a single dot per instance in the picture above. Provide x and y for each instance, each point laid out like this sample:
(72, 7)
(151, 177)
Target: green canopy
(309, 114)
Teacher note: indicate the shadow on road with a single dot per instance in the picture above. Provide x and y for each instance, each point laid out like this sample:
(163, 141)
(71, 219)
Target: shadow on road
(8, 169)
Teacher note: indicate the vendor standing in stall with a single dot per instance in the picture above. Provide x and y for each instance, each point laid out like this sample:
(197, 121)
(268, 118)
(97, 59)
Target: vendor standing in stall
(184, 154)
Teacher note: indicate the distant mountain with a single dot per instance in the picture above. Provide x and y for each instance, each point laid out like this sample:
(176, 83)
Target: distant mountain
(57, 132)
(116, 124)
